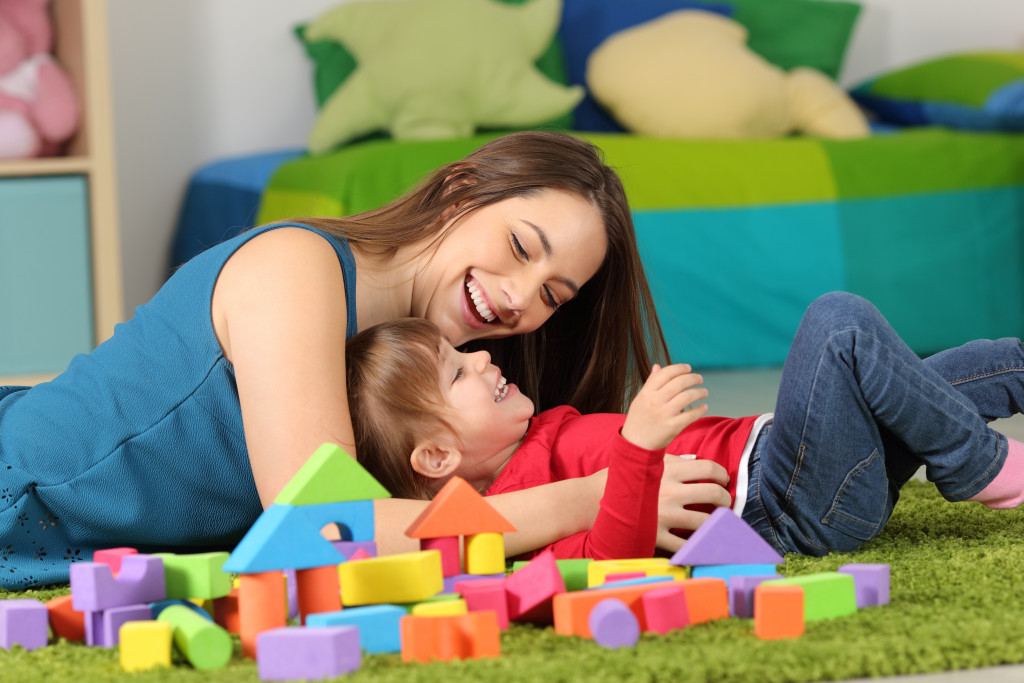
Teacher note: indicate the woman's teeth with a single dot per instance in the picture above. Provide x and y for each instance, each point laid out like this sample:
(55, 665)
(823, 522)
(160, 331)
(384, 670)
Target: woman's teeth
(478, 301)
(501, 390)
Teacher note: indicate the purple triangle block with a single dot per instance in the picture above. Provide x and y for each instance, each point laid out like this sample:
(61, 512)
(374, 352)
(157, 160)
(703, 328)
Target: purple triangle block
(724, 538)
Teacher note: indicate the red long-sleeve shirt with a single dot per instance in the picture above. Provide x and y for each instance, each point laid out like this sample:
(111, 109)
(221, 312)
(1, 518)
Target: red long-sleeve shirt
(563, 444)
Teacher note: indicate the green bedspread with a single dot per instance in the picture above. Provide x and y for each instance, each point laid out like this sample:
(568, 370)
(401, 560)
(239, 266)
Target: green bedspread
(739, 236)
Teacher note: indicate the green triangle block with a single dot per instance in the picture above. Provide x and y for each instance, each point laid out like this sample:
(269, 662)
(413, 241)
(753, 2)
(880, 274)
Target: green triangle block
(330, 475)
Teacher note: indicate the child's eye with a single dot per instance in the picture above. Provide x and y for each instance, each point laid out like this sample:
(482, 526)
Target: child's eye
(517, 247)
(458, 376)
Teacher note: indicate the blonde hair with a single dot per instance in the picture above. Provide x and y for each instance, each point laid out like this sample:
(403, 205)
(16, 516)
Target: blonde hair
(595, 351)
(395, 399)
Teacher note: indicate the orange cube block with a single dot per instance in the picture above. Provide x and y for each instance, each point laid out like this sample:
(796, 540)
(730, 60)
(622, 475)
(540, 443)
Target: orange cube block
(707, 598)
(474, 635)
(572, 610)
(778, 611)
(64, 620)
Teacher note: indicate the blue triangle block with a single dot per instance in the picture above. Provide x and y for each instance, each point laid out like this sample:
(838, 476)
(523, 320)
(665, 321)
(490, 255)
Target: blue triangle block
(283, 537)
(724, 538)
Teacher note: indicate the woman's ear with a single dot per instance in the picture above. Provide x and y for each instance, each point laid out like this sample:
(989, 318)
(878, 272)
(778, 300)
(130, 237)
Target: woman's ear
(435, 461)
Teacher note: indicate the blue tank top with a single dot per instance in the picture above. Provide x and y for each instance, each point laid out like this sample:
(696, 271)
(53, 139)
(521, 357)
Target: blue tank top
(138, 443)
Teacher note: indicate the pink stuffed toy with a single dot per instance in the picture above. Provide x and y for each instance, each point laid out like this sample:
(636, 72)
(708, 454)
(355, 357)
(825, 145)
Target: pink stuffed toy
(38, 107)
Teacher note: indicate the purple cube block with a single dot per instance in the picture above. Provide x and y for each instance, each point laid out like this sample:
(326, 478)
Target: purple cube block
(23, 622)
(115, 617)
(741, 594)
(299, 652)
(871, 583)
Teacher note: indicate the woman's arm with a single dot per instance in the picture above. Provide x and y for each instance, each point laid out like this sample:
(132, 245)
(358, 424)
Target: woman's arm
(280, 314)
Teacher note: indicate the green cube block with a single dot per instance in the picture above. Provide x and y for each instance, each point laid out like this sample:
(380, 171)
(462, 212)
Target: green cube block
(826, 595)
(198, 575)
(574, 572)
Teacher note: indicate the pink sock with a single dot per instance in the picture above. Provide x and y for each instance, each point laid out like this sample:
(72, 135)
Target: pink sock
(1007, 489)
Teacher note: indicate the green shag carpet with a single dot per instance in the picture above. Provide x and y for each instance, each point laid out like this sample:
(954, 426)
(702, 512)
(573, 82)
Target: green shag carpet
(957, 603)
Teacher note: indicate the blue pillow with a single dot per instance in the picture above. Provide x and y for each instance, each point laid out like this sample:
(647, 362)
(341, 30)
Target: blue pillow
(587, 23)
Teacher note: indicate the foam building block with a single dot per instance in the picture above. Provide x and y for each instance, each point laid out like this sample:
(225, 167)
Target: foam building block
(66, 622)
(158, 607)
(726, 572)
(349, 548)
(613, 625)
(23, 622)
(488, 597)
(778, 611)
(291, 588)
(197, 575)
(639, 581)
(571, 611)
(624, 576)
(574, 571)
(448, 546)
(532, 589)
(145, 645)
(303, 653)
(439, 608)
(598, 570)
(94, 588)
(204, 644)
(707, 599)
(225, 611)
(102, 628)
(330, 475)
(283, 537)
(741, 594)
(826, 594)
(871, 583)
(113, 557)
(261, 607)
(318, 591)
(354, 518)
(724, 538)
(459, 582)
(458, 510)
(485, 553)
(407, 577)
(665, 609)
(379, 625)
(474, 635)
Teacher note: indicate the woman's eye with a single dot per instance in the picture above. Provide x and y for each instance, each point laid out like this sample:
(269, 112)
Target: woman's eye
(518, 248)
(551, 300)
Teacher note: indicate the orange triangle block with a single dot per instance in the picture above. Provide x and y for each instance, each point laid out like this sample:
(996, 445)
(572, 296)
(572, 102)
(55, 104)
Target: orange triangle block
(458, 510)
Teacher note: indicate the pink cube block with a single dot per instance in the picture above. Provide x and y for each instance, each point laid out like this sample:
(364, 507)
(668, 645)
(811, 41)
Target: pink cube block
(665, 609)
(489, 597)
(533, 587)
(113, 557)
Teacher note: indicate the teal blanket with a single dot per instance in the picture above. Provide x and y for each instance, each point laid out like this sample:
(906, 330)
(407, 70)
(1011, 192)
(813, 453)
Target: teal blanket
(739, 236)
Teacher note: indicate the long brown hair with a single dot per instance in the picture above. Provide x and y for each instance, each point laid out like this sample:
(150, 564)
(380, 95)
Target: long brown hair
(395, 399)
(595, 351)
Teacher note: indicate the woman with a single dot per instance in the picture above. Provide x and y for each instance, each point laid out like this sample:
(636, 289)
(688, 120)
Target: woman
(178, 430)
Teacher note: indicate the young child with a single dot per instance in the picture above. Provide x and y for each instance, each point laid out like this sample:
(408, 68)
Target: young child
(858, 413)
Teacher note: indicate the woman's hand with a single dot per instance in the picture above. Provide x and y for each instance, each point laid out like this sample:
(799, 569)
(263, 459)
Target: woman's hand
(662, 408)
(677, 492)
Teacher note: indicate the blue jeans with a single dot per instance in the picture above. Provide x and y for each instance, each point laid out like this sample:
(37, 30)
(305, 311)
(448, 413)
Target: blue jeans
(858, 413)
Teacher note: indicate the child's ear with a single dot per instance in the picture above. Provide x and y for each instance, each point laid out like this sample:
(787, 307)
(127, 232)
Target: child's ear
(435, 461)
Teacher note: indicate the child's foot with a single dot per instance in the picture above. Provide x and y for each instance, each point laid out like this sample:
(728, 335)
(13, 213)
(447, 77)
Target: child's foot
(1007, 489)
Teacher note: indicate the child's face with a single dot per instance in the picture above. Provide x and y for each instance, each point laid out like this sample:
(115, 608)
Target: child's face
(504, 268)
(488, 414)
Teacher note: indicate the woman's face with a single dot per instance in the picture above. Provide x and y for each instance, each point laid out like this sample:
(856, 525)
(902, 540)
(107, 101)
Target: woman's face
(505, 268)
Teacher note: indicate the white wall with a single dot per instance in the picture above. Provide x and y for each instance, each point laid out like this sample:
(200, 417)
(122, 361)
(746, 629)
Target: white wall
(197, 80)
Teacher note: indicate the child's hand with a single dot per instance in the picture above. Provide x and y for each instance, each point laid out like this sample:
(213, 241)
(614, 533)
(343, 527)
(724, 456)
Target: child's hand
(662, 408)
(684, 484)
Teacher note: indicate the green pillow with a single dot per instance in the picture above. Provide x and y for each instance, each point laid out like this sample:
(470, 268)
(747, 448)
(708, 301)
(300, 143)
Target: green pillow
(333, 63)
(790, 33)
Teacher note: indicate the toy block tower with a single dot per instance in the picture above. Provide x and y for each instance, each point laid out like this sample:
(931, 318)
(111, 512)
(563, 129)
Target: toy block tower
(330, 487)
(458, 510)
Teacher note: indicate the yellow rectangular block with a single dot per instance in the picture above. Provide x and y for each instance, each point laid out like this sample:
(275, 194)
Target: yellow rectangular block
(440, 608)
(145, 645)
(651, 566)
(408, 577)
(485, 553)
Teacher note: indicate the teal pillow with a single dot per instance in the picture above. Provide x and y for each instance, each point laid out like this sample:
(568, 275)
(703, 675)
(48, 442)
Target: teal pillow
(971, 91)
